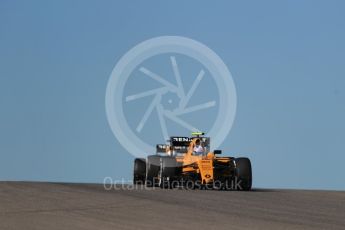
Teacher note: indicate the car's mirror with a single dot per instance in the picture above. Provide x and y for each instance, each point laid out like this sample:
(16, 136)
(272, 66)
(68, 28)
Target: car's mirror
(217, 151)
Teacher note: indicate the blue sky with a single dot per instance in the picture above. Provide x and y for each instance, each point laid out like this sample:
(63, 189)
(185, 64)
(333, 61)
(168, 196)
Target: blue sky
(287, 59)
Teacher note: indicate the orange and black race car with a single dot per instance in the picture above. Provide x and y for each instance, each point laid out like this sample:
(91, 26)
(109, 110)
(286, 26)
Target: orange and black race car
(188, 161)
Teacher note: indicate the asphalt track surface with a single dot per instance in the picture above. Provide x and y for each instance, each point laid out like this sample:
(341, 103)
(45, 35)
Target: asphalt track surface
(85, 206)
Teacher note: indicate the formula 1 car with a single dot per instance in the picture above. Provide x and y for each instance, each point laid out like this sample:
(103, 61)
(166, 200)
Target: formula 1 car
(188, 162)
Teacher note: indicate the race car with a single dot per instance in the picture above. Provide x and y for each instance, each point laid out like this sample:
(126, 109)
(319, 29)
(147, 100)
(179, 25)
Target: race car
(188, 162)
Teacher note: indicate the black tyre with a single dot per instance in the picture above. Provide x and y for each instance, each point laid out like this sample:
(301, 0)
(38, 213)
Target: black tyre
(139, 173)
(243, 174)
(152, 170)
(168, 171)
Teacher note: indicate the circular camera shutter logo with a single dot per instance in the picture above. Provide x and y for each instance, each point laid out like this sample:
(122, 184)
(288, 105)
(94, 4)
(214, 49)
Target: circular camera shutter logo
(170, 101)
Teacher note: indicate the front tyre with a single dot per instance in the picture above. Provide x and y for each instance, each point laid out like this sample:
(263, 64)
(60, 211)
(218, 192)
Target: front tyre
(168, 170)
(152, 170)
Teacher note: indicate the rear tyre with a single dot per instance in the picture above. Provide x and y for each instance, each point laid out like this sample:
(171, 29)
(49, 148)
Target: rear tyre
(139, 171)
(152, 170)
(243, 174)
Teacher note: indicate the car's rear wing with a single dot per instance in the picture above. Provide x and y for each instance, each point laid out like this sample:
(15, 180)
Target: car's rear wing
(180, 141)
(185, 141)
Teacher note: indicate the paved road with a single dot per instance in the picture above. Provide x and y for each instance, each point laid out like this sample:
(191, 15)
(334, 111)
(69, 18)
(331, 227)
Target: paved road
(77, 206)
